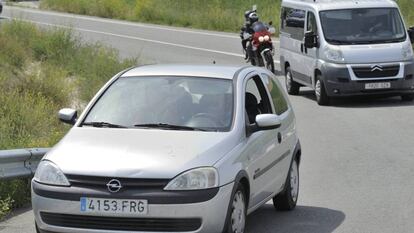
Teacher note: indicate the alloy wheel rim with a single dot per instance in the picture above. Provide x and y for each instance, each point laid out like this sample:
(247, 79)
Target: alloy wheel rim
(294, 181)
(318, 89)
(288, 81)
(238, 220)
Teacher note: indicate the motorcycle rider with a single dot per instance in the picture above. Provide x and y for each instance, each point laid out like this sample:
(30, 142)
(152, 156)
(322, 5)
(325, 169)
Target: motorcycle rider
(247, 32)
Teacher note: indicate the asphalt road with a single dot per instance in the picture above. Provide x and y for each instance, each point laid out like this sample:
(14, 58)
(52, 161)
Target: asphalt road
(358, 155)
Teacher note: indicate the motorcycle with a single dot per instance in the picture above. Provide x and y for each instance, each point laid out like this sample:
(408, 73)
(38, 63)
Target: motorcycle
(261, 44)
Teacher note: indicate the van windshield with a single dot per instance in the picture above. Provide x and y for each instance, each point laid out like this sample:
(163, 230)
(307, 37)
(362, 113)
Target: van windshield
(362, 26)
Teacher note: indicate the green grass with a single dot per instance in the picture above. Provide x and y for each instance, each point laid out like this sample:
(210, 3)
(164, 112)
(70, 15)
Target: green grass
(205, 14)
(42, 71)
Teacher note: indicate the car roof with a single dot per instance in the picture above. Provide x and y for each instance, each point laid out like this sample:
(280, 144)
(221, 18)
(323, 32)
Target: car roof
(320, 5)
(211, 71)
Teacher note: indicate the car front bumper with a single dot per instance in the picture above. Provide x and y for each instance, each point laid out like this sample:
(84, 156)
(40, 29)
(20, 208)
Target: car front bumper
(212, 214)
(340, 80)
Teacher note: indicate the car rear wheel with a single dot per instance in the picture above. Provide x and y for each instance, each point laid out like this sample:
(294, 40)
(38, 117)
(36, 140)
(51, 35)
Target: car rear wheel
(287, 199)
(320, 92)
(292, 87)
(236, 218)
(408, 97)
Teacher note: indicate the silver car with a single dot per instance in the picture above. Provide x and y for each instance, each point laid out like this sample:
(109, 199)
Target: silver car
(172, 148)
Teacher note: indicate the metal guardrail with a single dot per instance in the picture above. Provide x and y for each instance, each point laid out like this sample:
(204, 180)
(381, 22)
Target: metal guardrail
(20, 163)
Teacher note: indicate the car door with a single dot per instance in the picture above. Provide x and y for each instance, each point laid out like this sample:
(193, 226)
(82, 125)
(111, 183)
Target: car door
(260, 147)
(286, 133)
(310, 54)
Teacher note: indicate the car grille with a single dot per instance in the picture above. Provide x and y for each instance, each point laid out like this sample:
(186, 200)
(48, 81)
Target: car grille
(131, 183)
(122, 224)
(368, 72)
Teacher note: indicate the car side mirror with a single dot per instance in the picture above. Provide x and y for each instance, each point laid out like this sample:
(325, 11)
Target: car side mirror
(411, 34)
(68, 116)
(268, 121)
(311, 40)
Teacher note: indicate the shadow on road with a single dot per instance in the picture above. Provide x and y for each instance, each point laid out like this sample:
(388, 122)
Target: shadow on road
(361, 101)
(304, 219)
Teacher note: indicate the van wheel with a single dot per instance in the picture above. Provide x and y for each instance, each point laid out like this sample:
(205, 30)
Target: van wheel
(409, 97)
(320, 92)
(237, 213)
(292, 87)
(287, 199)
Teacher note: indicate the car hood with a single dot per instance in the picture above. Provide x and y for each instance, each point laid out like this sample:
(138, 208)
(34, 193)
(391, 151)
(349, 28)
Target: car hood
(375, 53)
(137, 153)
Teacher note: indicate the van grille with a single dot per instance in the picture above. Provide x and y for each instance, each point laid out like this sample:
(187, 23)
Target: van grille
(122, 224)
(370, 72)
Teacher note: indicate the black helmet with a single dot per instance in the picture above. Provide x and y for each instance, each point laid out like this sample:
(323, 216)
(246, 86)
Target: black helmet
(253, 17)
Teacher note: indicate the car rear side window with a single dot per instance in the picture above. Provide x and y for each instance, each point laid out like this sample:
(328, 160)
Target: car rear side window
(278, 99)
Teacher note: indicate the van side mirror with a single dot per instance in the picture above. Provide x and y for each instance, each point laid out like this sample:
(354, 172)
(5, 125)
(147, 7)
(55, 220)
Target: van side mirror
(311, 40)
(68, 116)
(411, 34)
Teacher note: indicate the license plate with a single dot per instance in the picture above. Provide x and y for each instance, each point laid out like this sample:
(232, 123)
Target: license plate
(370, 86)
(102, 205)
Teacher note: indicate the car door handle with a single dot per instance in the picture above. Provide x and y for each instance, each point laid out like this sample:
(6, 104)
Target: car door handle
(279, 137)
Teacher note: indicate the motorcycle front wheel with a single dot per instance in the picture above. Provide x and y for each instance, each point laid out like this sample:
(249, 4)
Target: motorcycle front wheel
(270, 64)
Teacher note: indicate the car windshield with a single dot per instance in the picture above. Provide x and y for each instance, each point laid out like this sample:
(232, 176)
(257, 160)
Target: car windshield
(171, 103)
(363, 26)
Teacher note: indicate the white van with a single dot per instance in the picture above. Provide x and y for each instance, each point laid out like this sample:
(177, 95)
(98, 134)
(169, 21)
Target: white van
(346, 47)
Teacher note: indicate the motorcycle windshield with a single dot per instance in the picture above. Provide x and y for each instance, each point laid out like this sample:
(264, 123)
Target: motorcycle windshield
(259, 27)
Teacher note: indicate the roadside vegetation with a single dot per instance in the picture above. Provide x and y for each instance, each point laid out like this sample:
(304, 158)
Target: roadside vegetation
(42, 71)
(213, 14)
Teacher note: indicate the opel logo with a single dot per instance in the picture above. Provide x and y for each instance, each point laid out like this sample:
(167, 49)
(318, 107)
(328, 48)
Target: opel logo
(114, 185)
(376, 68)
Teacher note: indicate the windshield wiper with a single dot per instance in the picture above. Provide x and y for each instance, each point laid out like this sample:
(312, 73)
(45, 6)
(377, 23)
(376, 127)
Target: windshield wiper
(338, 42)
(103, 125)
(168, 126)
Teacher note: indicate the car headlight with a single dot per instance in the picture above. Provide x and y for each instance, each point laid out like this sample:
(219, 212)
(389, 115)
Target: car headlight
(334, 54)
(48, 173)
(196, 179)
(407, 51)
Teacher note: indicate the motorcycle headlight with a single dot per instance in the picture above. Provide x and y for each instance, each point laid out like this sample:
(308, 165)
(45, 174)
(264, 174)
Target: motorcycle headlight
(407, 52)
(334, 54)
(48, 173)
(196, 179)
(266, 38)
(261, 39)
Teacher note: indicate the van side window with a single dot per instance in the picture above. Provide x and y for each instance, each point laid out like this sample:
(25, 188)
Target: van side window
(278, 99)
(293, 22)
(312, 26)
(256, 99)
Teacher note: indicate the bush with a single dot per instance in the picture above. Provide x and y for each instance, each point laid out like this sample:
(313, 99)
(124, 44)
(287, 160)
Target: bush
(42, 71)
(213, 14)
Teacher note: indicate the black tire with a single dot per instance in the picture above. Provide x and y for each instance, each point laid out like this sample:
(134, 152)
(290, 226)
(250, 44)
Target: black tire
(287, 199)
(407, 97)
(322, 97)
(270, 64)
(292, 87)
(240, 190)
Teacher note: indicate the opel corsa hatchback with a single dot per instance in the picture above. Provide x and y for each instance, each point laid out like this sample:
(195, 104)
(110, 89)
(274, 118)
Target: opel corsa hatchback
(172, 149)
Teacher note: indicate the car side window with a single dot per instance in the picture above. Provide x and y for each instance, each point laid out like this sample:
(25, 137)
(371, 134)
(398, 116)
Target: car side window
(277, 96)
(256, 99)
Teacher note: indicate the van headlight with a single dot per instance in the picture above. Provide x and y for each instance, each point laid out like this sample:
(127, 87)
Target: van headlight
(407, 52)
(334, 54)
(196, 179)
(48, 173)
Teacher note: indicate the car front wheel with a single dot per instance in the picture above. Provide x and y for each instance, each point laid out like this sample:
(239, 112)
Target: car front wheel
(236, 218)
